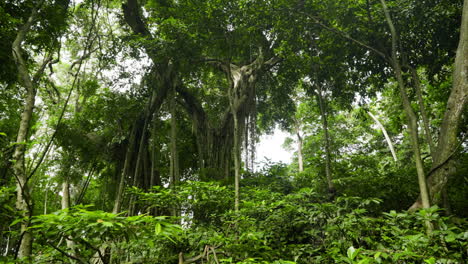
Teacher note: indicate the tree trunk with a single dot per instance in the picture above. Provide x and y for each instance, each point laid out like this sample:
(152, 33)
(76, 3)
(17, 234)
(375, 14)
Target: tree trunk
(323, 113)
(127, 164)
(422, 108)
(410, 115)
(448, 143)
(299, 151)
(65, 194)
(236, 154)
(24, 202)
(174, 155)
(155, 177)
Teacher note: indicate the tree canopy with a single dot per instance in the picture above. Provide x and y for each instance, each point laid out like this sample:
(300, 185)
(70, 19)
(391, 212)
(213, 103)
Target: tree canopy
(129, 128)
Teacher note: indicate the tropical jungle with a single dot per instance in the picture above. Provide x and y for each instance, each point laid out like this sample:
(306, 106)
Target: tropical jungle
(130, 131)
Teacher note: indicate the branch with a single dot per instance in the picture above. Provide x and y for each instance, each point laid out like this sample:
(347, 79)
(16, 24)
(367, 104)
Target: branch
(272, 62)
(387, 138)
(435, 168)
(86, 243)
(65, 253)
(89, 43)
(348, 37)
(191, 104)
(225, 66)
(16, 48)
(82, 58)
(132, 17)
(47, 60)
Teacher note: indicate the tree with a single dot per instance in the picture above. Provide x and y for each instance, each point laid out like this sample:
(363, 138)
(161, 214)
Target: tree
(30, 83)
(393, 53)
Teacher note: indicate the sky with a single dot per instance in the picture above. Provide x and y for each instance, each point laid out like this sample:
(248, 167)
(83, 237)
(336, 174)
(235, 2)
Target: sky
(270, 146)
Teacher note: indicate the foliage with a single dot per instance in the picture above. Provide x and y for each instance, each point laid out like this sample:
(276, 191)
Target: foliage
(92, 231)
(303, 227)
(100, 120)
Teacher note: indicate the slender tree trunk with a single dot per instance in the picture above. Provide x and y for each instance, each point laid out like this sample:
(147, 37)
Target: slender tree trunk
(410, 115)
(141, 149)
(24, 203)
(46, 197)
(323, 113)
(155, 177)
(174, 154)
(65, 205)
(127, 164)
(299, 151)
(236, 153)
(422, 108)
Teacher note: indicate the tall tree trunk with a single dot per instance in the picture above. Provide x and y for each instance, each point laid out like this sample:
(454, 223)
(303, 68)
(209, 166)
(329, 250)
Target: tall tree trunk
(447, 144)
(137, 175)
(422, 108)
(174, 154)
(236, 153)
(410, 115)
(65, 205)
(299, 150)
(155, 177)
(65, 194)
(323, 113)
(126, 168)
(24, 202)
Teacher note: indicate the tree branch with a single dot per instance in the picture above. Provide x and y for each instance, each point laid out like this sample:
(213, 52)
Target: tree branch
(348, 37)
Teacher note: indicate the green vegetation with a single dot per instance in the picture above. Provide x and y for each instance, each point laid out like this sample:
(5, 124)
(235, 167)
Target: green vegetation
(128, 131)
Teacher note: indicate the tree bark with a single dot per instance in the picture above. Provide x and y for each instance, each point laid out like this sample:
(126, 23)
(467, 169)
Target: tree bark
(299, 150)
(422, 108)
(24, 202)
(410, 115)
(127, 164)
(174, 154)
(215, 142)
(323, 113)
(236, 154)
(447, 143)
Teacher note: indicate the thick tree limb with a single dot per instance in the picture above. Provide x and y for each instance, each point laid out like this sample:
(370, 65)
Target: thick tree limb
(133, 18)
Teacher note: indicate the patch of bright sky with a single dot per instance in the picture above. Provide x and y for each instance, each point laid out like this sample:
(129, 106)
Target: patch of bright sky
(270, 147)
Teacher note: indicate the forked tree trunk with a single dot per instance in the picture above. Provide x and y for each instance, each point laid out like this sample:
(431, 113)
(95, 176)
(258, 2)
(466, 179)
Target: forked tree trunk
(447, 143)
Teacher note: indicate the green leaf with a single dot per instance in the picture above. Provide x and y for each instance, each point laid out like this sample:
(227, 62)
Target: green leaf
(16, 221)
(158, 229)
(352, 252)
(431, 260)
(108, 224)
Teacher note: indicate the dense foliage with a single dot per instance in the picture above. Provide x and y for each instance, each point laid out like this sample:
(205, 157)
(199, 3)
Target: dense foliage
(129, 128)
